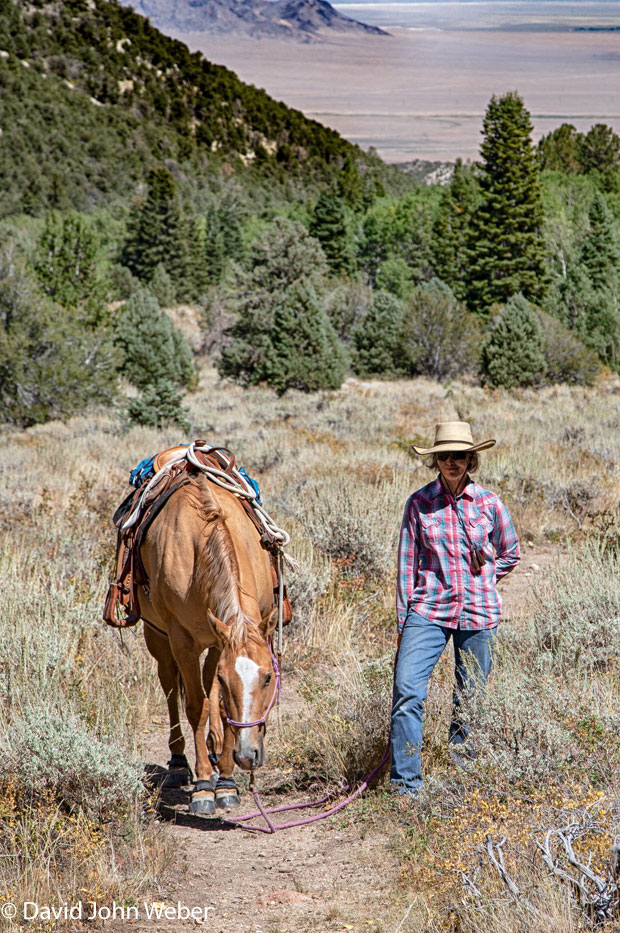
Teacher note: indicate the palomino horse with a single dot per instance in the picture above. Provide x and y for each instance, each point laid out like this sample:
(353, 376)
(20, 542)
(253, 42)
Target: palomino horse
(210, 594)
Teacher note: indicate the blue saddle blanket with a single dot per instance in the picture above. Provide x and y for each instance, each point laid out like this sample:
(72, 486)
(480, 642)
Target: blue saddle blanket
(144, 471)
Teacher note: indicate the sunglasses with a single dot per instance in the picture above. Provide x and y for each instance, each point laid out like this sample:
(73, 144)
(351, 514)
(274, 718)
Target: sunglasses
(453, 455)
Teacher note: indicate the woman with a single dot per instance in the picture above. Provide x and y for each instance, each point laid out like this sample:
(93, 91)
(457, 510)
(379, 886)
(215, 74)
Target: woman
(456, 541)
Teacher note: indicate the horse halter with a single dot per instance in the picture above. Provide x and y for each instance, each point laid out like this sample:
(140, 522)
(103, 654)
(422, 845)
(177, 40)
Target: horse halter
(275, 695)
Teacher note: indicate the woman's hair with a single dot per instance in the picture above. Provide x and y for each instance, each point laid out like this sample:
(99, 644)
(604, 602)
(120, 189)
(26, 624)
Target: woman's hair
(474, 461)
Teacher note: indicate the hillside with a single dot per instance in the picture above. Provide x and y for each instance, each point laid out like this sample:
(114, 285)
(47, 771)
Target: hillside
(283, 19)
(92, 96)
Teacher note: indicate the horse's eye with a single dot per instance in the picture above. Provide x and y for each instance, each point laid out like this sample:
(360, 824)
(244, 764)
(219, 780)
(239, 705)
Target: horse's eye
(220, 678)
(267, 679)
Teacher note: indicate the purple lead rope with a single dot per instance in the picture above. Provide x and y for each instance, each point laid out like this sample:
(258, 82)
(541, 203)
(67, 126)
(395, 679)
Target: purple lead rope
(240, 821)
(273, 827)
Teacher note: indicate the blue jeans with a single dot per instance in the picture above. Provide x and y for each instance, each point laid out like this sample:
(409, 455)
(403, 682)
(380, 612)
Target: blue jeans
(421, 647)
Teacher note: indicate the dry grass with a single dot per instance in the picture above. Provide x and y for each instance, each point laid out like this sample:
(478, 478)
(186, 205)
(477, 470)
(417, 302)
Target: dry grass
(335, 468)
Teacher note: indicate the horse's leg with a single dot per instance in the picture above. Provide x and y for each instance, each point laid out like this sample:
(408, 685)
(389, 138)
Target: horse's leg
(226, 792)
(215, 736)
(220, 742)
(187, 657)
(179, 771)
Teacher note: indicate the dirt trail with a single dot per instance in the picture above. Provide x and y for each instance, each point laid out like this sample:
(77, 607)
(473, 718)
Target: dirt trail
(338, 874)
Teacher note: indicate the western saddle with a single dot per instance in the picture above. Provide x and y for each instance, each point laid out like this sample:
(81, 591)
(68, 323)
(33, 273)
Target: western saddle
(130, 572)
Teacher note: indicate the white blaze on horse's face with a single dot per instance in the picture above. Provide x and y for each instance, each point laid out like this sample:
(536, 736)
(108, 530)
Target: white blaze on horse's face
(247, 669)
(248, 705)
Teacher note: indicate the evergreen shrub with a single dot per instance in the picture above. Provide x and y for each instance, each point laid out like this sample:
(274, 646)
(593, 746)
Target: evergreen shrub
(162, 287)
(566, 357)
(282, 335)
(306, 353)
(157, 360)
(158, 406)
(378, 339)
(441, 338)
(513, 352)
(154, 351)
(51, 366)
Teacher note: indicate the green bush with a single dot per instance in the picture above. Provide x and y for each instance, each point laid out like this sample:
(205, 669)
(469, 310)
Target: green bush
(378, 339)
(157, 360)
(162, 287)
(395, 276)
(154, 351)
(50, 365)
(158, 406)
(282, 335)
(512, 354)
(441, 338)
(305, 351)
(566, 357)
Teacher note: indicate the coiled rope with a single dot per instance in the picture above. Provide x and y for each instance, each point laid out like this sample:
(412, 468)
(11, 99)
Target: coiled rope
(232, 481)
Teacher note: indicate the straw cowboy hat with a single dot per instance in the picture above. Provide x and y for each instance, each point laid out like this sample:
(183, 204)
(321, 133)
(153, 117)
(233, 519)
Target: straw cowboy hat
(453, 435)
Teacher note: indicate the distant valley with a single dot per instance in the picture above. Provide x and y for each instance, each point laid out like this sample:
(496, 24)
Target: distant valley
(301, 20)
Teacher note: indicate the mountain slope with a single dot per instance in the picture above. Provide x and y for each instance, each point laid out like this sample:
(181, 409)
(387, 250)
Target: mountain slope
(92, 96)
(288, 19)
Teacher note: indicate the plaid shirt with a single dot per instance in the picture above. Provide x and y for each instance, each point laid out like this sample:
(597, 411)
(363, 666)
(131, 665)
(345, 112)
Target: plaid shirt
(434, 568)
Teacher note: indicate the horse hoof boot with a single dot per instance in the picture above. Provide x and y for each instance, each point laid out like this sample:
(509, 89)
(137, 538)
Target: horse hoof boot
(203, 799)
(226, 794)
(179, 772)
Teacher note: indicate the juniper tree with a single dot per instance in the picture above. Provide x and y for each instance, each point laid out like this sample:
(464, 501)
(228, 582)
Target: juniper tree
(513, 352)
(305, 351)
(154, 351)
(378, 339)
(506, 246)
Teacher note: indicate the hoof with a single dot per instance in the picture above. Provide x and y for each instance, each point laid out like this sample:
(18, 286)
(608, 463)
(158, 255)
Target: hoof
(179, 772)
(202, 803)
(226, 794)
(178, 777)
(203, 798)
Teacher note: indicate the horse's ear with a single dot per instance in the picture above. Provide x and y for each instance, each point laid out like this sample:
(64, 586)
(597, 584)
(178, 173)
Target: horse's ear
(220, 628)
(268, 623)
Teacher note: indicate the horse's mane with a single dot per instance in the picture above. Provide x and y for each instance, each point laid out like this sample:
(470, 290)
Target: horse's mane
(217, 569)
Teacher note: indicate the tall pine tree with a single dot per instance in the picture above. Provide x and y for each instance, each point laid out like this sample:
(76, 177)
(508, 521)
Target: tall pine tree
(283, 335)
(450, 230)
(329, 226)
(159, 234)
(599, 252)
(506, 246)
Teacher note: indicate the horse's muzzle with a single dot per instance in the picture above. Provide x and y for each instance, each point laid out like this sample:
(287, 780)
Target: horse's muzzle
(249, 755)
